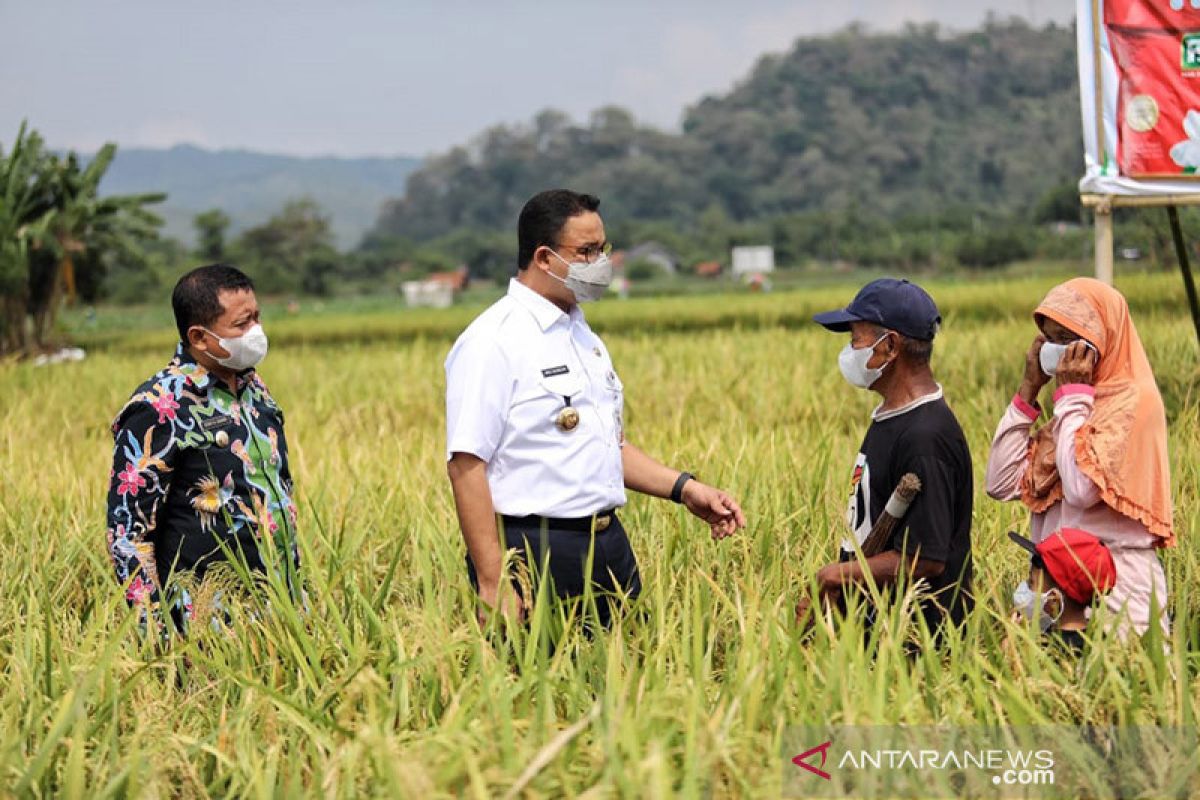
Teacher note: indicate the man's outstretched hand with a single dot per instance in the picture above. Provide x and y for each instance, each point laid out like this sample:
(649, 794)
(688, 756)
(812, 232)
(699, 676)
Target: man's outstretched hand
(718, 508)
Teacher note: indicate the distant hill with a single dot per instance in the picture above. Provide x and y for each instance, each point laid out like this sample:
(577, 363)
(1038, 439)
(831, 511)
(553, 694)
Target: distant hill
(250, 186)
(920, 122)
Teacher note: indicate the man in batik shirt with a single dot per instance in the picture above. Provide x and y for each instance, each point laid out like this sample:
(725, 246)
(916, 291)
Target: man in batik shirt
(200, 469)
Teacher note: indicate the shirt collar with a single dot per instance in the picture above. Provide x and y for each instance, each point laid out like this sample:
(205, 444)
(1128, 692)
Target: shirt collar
(880, 416)
(545, 312)
(195, 373)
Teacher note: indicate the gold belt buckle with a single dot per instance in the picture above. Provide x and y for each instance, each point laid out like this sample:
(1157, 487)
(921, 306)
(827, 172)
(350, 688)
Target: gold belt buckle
(602, 521)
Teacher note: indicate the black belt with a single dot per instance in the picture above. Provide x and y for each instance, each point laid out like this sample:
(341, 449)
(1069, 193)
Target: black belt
(599, 522)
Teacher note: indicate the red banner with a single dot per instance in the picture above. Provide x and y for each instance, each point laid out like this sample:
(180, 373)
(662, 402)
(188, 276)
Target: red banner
(1156, 47)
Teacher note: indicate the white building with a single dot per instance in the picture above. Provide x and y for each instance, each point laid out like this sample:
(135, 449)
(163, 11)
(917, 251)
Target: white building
(431, 294)
(753, 260)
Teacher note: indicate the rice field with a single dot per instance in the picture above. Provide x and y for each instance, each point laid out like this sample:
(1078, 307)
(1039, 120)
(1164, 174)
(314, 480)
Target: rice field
(384, 685)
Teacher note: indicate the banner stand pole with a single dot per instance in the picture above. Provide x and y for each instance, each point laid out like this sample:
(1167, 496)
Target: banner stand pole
(1185, 267)
(1104, 242)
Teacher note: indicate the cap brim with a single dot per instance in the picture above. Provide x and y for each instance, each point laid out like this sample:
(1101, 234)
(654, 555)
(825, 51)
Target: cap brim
(1023, 542)
(837, 321)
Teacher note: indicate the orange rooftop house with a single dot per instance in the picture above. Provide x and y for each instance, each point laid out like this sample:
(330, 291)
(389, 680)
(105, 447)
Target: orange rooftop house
(457, 279)
(437, 290)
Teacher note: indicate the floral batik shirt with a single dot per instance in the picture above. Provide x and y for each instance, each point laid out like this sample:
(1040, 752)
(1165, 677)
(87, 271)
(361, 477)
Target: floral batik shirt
(199, 473)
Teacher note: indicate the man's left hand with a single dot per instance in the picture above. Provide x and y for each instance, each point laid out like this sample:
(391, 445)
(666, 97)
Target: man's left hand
(829, 589)
(722, 513)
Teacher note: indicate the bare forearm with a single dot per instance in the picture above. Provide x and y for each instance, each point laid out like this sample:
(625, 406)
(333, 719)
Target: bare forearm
(646, 475)
(1029, 391)
(476, 516)
(885, 568)
(714, 506)
(881, 568)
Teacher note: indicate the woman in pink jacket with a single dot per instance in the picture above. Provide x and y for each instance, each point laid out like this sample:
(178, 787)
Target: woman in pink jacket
(1100, 462)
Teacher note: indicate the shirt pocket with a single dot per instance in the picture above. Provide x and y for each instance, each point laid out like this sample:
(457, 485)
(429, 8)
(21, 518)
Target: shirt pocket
(558, 393)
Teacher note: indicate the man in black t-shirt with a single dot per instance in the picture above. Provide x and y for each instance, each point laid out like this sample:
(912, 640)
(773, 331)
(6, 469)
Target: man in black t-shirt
(892, 325)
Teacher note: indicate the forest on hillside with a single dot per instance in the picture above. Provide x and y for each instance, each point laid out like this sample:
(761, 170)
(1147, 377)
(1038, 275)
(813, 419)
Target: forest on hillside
(911, 123)
(915, 148)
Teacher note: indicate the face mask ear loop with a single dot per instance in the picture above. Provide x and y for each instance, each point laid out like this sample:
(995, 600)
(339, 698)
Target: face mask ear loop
(563, 281)
(554, 253)
(885, 364)
(218, 338)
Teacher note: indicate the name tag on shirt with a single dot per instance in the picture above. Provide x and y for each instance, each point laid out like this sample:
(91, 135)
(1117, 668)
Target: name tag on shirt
(551, 372)
(215, 422)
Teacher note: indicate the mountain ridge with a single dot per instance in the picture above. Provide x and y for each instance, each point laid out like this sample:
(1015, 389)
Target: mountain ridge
(250, 186)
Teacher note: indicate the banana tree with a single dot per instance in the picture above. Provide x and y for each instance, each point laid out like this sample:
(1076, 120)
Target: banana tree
(85, 231)
(27, 208)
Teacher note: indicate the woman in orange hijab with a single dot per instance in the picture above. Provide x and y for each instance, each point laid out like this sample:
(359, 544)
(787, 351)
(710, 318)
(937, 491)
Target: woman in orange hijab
(1100, 463)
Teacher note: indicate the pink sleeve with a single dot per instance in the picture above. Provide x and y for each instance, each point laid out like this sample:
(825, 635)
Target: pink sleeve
(1006, 461)
(1072, 407)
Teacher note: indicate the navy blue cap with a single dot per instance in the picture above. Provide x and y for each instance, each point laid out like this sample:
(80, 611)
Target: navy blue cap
(894, 304)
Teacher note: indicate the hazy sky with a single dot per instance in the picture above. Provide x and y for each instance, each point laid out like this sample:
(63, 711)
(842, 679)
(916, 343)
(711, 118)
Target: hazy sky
(351, 77)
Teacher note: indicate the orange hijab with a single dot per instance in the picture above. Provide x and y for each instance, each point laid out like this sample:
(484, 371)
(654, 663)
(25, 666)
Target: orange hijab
(1123, 446)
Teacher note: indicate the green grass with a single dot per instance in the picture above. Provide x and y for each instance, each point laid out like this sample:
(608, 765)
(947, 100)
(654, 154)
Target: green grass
(384, 686)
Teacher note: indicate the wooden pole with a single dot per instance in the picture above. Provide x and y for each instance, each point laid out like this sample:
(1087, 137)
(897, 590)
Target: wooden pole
(1104, 243)
(1185, 267)
(1098, 77)
(1104, 220)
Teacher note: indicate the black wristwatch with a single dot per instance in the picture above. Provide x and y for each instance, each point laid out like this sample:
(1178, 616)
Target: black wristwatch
(677, 489)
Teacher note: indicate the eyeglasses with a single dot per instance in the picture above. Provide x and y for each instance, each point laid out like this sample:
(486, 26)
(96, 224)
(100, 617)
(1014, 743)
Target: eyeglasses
(592, 252)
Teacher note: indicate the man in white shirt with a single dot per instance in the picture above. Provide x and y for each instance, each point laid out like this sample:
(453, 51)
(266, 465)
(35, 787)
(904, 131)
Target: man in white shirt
(536, 446)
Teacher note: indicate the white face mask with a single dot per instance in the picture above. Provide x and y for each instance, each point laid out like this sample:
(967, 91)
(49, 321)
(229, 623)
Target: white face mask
(1052, 353)
(588, 281)
(853, 363)
(1031, 604)
(245, 351)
